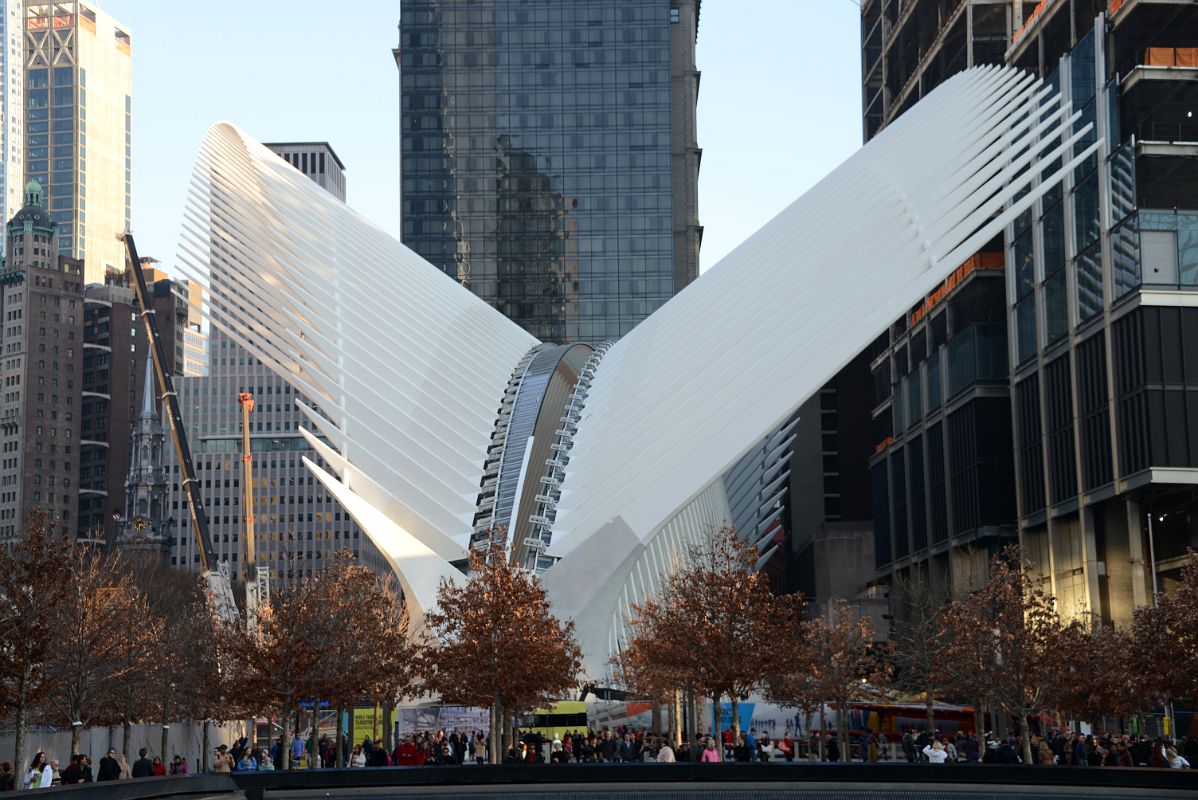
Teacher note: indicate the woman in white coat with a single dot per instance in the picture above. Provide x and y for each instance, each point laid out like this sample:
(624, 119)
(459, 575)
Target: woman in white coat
(40, 774)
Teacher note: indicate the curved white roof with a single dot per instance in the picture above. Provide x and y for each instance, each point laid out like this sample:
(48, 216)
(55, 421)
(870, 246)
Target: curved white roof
(408, 369)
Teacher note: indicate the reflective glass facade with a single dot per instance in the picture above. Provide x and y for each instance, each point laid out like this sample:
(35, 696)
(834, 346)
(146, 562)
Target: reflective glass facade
(546, 163)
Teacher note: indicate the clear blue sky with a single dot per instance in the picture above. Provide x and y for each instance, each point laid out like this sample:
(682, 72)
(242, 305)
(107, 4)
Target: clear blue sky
(779, 103)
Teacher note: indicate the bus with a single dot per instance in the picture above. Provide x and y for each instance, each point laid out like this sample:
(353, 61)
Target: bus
(554, 721)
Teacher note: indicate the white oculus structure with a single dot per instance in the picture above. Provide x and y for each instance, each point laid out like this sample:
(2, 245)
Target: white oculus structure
(439, 418)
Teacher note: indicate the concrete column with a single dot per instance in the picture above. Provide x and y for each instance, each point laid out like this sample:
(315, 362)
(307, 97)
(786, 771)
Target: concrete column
(1090, 563)
(1137, 554)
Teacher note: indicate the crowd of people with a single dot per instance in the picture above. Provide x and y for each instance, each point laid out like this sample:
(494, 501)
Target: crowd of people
(45, 772)
(627, 745)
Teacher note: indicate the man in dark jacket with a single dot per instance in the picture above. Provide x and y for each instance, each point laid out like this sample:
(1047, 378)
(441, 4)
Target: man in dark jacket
(143, 767)
(110, 768)
(909, 747)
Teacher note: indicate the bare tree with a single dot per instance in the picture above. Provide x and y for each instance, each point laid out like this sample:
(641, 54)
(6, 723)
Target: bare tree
(918, 638)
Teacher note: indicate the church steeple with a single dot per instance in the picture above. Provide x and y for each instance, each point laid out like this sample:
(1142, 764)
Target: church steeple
(147, 395)
(145, 488)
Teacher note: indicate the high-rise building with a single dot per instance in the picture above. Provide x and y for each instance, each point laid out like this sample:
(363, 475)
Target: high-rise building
(41, 359)
(12, 106)
(78, 127)
(548, 155)
(316, 160)
(1102, 276)
(1042, 392)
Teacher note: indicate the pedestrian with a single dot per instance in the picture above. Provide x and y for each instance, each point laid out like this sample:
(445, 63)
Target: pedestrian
(144, 767)
(665, 755)
(126, 770)
(709, 756)
(40, 775)
(110, 768)
(224, 760)
(787, 747)
(909, 746)
(935, 752)
(157, 768)
(1176, 760)
(8, 777)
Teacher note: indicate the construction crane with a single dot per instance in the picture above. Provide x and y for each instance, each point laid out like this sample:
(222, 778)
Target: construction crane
(257, 587)
(215, 574)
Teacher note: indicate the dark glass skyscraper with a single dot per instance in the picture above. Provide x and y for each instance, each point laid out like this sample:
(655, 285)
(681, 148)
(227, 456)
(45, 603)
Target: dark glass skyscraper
(548, 155)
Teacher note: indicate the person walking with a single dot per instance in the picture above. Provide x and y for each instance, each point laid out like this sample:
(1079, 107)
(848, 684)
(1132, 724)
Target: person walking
(110, 768)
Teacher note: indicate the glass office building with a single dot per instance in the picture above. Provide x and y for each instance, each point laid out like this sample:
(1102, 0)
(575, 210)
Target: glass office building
(78, 128)
(548, 155)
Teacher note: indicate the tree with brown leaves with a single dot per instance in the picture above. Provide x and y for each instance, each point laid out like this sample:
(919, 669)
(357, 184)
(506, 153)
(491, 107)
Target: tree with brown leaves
(836, 661)
(495, 642)
(715, 626)
(281, 665)
(1091, 672)
(372, 658)
(33, 582)
(1166, 639)
(93, 621)
(1005, 638)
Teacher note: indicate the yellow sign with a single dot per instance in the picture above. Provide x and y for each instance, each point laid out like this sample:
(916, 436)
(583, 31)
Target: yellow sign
(367, 722)
(1168, 726)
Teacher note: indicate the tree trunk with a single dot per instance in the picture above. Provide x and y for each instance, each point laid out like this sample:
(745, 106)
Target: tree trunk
(842, 725)
(285, 744)
(166, 723)
(19, 764)
(204, 748)
(337, 759)
(1025, 732)
(735, 719)
(931, 710)
(127, 737)
(823, 731)
(717, 725)
(496, 722)
(655, 717)
(76, 726)
(676, 720)
(979, 729)
(389, 724)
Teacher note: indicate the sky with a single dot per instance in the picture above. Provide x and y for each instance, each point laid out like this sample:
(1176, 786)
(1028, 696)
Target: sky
(779, 101)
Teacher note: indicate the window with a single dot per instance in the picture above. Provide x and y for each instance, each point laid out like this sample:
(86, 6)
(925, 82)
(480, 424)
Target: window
(675, 17)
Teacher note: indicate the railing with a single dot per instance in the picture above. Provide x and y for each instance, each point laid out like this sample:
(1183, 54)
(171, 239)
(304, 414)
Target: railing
(1167, 131)
(255, 785)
